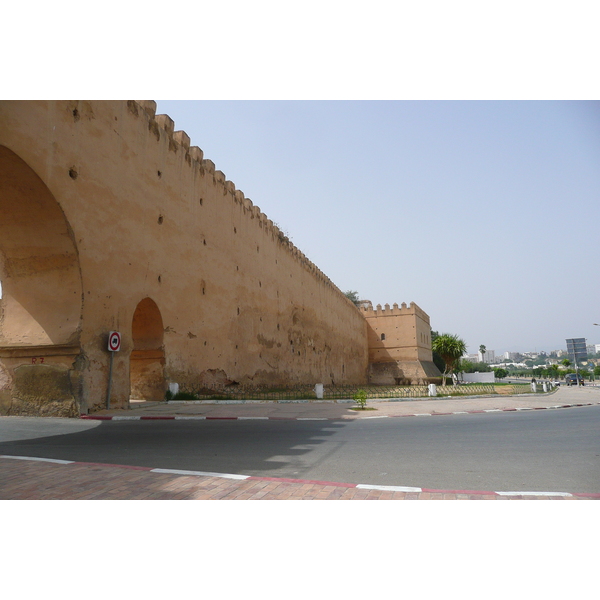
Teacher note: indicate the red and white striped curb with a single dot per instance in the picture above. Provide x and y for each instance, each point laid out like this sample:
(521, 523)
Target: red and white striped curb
(362, 486)
(205, 418)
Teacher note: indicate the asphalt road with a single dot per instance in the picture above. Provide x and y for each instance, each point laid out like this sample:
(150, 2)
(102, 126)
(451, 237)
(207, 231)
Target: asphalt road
(536, 450)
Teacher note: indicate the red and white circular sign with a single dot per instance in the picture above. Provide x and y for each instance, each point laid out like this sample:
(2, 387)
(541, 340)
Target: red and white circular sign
(114, 341)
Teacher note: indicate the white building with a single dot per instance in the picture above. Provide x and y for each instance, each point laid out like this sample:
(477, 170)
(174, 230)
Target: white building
(489, 356)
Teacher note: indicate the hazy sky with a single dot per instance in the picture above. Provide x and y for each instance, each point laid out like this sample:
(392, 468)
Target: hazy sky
(484, 213)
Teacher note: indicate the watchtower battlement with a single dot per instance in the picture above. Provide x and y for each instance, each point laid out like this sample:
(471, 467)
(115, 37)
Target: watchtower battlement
(367, 310)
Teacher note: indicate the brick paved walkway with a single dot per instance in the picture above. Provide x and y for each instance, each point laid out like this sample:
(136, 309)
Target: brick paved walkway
(43, 480)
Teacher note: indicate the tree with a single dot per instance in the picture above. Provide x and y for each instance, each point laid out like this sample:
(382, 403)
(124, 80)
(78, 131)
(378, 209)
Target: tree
(437, 359)
(352, 296)
(500, 373)
(566, 362)
(482, 350)
(450, 348)
(468, 366)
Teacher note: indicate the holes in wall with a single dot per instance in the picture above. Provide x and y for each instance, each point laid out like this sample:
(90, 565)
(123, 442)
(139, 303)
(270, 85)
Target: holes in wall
(159, 173)
(160, 219)
(75, 115)
(235, 230)
(73, 174)
(159, 279)
(382, 337)
(201, 201)
(238, 310)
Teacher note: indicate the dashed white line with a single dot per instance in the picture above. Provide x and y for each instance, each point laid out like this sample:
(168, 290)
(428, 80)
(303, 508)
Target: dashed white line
(199, 473)
(50, 460)
(388, 488)
(194, 418)
(566, 494)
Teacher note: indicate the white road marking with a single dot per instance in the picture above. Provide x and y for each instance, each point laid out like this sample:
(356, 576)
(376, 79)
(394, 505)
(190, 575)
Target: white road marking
(389, 488)
(199, 473)
(50, 460)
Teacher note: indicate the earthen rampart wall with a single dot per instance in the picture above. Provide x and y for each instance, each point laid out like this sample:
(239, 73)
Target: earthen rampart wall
(149, 217)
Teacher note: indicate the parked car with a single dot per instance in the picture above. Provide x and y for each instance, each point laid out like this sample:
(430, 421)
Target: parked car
(556, 383)
(571, 379)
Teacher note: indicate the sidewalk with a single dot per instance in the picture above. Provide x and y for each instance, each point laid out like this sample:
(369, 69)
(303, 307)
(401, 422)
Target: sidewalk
(328, 409)
(29, 478)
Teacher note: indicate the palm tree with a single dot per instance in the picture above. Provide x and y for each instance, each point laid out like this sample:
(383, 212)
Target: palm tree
(482, 350)
(451, 348)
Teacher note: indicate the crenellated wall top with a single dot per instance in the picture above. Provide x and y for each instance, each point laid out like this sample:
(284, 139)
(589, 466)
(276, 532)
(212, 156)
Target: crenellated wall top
(180, 140)
(367, 310)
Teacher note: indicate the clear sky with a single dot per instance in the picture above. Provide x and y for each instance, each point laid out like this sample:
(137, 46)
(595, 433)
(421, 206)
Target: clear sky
(484, 213)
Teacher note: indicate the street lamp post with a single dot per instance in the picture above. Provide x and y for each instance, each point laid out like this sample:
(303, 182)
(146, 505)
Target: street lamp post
(597, 325)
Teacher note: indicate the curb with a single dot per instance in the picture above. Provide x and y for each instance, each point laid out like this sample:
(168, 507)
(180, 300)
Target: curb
(363, 486)
(432, 414)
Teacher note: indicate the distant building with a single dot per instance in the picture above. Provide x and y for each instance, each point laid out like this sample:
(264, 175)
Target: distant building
(489, 356)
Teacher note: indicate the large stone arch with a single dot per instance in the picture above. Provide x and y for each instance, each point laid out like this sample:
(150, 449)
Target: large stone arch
(41, 304)
(147, 360)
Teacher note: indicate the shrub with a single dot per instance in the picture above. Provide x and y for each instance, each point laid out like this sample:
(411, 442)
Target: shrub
(360, 398)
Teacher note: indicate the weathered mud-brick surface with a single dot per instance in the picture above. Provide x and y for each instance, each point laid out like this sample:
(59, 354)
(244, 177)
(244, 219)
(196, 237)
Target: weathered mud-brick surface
(42, 390)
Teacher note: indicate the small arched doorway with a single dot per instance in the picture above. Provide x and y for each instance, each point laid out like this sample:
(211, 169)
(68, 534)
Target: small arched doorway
(147, 361)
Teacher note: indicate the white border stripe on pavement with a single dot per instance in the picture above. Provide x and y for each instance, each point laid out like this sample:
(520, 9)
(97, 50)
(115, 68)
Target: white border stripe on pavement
(50, 460)
(199, 473)
(533, 493)
(192, 418)
(388, 488)
(377, 417)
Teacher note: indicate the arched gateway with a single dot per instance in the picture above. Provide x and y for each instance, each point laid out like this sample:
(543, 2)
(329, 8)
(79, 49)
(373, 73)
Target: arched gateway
(41, 303)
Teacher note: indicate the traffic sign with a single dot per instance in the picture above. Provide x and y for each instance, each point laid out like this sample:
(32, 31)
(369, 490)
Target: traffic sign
(114, 341)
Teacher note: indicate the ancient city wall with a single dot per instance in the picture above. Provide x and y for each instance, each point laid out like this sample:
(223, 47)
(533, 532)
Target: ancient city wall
(112, 221)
